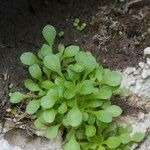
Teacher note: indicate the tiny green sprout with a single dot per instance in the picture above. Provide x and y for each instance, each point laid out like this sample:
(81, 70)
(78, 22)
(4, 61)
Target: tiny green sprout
(70, 91)
(61, 34)
(136, 42)
(11, 85)
(148, 30)
(79, 25)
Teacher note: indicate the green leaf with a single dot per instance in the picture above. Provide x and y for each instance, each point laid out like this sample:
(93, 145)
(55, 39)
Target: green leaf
(127, 129)
(104, 93)
(38, 124)
(112, 78)
(86, 60)
(69, 85)
(74, 116)
(106, 104)
(86, 87)
(17, 97)
(47, 84)
(52, 62)
(49, 33)
(29, 58)
(125, 138)
(65, 121)
(52, 132)
(101, 148)
(30, 85)
(45, 50)
(76, 68)
(138, 137)
(92, 119)
(71, 51)
(59, 81)
(80, 134)
(73, 76)
(103, 116)
(85, 116)
(72, 145)
(49, 115)
(90, 130)
(69, 94)
(61, 48)
(33, 106)
(49, 100)
(99, 73)
(62, 108)
(114, 110)
(47, 72)
(35, 71)
(94, 103)
(112, 142)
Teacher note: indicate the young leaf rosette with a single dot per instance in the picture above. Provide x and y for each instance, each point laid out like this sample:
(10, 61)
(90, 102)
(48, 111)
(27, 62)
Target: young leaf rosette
(70, 91)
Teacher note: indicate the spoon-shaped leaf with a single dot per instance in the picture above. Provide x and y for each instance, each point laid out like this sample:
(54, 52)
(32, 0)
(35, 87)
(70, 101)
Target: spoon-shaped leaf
(52, 132)
(104, 93)
(138, 137)
(35, 71)
(49, 115)
(125, 138)
(38, 124)
(86, 87)
(29, 58)
(112, 78)
(62, 108)
(114, 110)
(45, 50)
(71, 51)
(33, 106)
(112, 142)
(86, 60)
(49, 100)
(72, 145)
(47, 84)
(47, 72)
(17, 97)
(49, 33)
(90, 130)
(74, 116)
(32, 86)
(52, 62)
(76, 68)
(103, 116)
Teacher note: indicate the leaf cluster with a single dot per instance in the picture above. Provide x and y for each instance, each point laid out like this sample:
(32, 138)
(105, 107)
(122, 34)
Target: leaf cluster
(79, 25)
(72, 92)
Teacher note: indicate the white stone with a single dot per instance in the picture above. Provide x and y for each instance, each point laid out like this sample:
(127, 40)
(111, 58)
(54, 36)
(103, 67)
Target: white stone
(148, 61)
(130, 70)
(147, 51)
(141, 64)
(145, 73)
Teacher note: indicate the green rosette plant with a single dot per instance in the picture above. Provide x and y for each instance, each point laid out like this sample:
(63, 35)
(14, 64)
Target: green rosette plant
(69, 91)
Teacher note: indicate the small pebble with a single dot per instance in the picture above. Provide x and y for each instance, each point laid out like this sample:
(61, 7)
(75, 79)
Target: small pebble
(148, 61)
(141, 64)
(147, 51)
(145, 73)
(141, 115)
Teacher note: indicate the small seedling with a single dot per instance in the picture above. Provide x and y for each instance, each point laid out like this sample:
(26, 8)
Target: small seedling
(79, 25)
(70, 91)
(61, 34)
